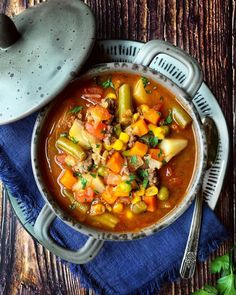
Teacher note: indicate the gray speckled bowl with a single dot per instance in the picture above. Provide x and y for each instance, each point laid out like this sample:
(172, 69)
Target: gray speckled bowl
(183, 96)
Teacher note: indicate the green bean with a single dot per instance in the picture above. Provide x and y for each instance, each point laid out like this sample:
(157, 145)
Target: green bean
(163, 194)
(71, 148)
(139, 207)
(106, 219)
(181, 117)
(82, 208)
(125, 104)
(117, 130)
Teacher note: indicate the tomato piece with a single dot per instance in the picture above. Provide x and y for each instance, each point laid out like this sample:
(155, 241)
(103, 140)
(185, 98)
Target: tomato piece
(85, 196)
(98, 131)
(99, 113)
(93, 90)
(157, 107)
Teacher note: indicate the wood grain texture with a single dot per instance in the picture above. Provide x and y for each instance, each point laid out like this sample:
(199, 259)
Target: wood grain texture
(204, 28)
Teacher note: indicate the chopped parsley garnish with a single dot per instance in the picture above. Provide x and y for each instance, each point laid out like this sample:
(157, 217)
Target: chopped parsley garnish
(97, 145)
(93, 175)
(169, 119)
(108, 83)
(160, 153)
(153, 141)
(133, 160)
(164, 162)
(77, 174)
(145, 81)
(76, 110)
(143, 173)
(145, 182)
(83, 182)
(73, 139)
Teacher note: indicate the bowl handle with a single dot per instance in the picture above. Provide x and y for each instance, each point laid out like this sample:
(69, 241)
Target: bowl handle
(152, 48)
(41, 228)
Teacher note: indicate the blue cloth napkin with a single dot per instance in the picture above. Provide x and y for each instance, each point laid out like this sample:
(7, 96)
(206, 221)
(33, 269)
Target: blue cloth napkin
(137, 267)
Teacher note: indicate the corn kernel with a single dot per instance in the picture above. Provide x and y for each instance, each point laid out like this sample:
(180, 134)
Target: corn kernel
(136, 199)
(139, 193)
(118, 208)
(159, 132)
(124, 137)
(135, 116)
(144, 108)
(111, 95)
(118, 145)
(151, 191)
(107, 147)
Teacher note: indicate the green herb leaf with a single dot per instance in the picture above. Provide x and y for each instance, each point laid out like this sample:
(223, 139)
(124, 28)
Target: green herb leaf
(164, 162)
(145, 81)
(143, 173)
(132, 177)
(97, 145)
(207, 290)
(93, 175)
(73, 139)
(76, 110)
(153, 141)
(145, 182)
(220, 264)
(77, 174)
(108, 83)
(96, 192)
(169, 119)
(133, 160)
(226, 285)
(160, 153)
(83, 182)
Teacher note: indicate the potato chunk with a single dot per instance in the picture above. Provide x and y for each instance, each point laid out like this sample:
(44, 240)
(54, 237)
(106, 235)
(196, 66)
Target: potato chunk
(172, 147)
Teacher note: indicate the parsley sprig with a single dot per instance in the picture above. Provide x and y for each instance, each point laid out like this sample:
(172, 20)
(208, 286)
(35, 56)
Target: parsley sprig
(76, 110)
(108, 83)
(226, 284)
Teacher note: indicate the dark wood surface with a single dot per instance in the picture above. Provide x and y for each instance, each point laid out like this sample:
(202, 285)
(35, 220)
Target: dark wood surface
(205, 29)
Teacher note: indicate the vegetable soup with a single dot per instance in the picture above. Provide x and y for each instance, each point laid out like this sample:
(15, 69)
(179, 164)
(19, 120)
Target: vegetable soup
(117, 151)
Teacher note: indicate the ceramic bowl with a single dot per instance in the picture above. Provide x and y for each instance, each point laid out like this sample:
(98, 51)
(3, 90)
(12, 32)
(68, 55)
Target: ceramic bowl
(96, 236)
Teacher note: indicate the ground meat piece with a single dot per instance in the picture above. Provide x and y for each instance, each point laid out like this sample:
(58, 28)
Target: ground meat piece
(108, 136)
(110, 104)
(132, 137)
(84, 166)
(153, 177)
(125, 168)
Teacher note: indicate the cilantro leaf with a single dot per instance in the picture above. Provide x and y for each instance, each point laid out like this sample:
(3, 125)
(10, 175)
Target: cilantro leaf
(207, 290)
(93, 175)
(76, 110)
(132, 177)
(226, 285)
(145, 81)
(133, 160)
(145, 182)
(153, 141)
(220, 264)
(108, 83)
(73, 139)
(169, 119)
(83, 182)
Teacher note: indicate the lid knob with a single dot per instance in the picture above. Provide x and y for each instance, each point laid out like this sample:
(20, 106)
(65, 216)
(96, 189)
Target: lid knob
(8, 32)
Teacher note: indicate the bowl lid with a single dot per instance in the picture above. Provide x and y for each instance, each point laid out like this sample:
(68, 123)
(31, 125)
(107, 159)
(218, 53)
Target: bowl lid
(41, 50)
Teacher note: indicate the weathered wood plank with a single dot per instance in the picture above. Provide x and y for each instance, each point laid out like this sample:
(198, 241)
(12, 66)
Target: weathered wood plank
(206, 30)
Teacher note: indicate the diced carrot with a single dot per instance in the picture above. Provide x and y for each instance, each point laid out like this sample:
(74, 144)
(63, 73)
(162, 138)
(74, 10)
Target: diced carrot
(151, 203)
(108, 195)
(98, 131)
(152, 116)
(68, 179)
(115, 162)
(140, 128)
(138, 149)
(156, 154)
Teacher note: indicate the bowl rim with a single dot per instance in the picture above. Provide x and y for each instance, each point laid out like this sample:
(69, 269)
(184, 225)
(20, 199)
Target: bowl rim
(172, 215)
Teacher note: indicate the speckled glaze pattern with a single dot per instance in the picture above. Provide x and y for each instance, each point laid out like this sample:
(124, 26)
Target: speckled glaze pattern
(193, 188)
(56, 39)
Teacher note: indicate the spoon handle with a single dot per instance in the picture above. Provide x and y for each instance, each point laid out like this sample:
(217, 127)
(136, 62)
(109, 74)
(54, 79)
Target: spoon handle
(190, 255)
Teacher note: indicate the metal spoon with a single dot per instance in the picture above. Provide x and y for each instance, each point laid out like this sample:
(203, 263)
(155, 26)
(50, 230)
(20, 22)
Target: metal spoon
(188, 264)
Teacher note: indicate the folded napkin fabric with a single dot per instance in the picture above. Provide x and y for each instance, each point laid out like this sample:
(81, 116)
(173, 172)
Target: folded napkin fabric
(135, 267)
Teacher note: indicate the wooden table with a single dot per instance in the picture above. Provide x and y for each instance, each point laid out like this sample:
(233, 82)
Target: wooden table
(205, 29)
